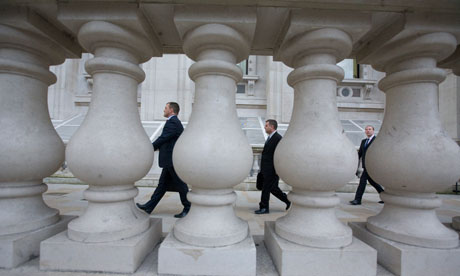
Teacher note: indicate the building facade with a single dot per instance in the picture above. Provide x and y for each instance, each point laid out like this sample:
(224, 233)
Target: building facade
(262, 92)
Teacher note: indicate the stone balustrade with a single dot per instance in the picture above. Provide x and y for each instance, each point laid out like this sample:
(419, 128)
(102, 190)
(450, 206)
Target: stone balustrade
(412, 157)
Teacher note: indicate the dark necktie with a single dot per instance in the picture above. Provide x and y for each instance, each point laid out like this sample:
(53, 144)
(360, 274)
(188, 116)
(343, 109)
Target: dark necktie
(367, 142)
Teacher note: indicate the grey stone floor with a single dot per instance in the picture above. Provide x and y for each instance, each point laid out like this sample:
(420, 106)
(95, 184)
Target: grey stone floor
(69, 200)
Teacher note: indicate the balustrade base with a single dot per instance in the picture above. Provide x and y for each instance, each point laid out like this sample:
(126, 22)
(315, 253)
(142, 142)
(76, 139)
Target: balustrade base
(16, 249)
(178, 258)
(293, 259)
(59, 253)
(409, 260)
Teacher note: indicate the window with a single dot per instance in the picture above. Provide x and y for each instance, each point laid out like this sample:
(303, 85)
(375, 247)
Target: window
(244, 66)
(241, 88)
(351, 68)
(345, 92)
(348, 92)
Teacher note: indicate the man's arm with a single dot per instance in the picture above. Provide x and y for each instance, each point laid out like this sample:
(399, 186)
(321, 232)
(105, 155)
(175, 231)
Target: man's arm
(277, 139)
(169, 132)
(360, 151)
(272, 144)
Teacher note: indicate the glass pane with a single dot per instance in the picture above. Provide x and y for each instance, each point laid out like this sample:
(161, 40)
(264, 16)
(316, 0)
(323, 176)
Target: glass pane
(254, 136)
(347, 65)
(66, 132)
(249, 122)
(244, 66)
(356, 137)
(241, 88)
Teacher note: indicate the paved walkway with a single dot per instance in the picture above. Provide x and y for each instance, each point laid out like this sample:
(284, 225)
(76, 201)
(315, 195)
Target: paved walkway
(69, 200)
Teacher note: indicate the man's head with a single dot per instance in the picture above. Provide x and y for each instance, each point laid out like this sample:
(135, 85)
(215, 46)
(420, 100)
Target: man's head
(369, 131)
(171, 108)
(270, 126)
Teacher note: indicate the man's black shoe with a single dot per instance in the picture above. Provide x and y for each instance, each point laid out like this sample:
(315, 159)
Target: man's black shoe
(288, 205)
(261, 211)
(381, 202)
(182, 214)
(144, 208)
(355, 202)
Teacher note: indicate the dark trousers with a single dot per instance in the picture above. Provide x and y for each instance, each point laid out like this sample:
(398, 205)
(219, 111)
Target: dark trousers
(169, 181)
(362, 185)
(271, 186)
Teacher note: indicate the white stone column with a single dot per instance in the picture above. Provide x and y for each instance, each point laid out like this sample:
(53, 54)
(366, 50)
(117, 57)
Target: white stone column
(110, 151)
(30, 148)
(212, 155)
(453, 62)
(316, 158)
(412, 157)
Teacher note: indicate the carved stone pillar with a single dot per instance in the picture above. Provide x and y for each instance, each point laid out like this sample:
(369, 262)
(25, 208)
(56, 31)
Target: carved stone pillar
(314, 145)
(453, 62)
(413, 158)
(316, 158)
(30, 148)
(212, 221)
(212, 155)
(110, 151)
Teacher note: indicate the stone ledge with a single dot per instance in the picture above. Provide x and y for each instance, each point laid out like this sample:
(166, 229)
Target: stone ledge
(237, 259)
(16, 249)
(408, 260)
(124, 256)
(293, 259)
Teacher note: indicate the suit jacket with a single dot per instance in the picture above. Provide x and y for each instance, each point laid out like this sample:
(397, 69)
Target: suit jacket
(267, 168)
(165, 143)
(363, 149)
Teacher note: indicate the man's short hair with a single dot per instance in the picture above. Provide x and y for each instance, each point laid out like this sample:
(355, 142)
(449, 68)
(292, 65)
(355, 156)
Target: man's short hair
(175, 107)
(273, 123)
(370, 126)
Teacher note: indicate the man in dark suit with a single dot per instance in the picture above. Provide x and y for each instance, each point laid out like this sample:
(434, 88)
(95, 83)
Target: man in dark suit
(267, 175)
(365, 144)
(169, 181)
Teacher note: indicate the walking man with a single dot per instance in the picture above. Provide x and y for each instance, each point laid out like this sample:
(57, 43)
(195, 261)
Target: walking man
(365, 144)
(169, 181)
(267, 175)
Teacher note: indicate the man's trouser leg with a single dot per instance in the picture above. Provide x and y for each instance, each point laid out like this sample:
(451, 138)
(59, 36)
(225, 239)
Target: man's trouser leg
(361, 186)
(181, 187)
(375, 184)
(269, 183)
(159, 191)
(276, 191)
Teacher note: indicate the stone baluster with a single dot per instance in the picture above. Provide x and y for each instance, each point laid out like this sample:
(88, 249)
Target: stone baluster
(453, 62)
(257, 154)
(315, 157)
(213, 133)
(413, 156)
(30, 148)
(110, 151)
